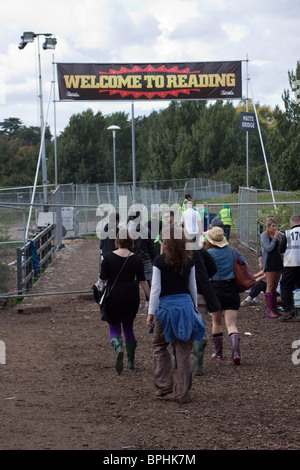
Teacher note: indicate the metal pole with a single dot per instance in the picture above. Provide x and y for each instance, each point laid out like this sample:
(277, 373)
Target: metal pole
(247, 133)
(115, 171)
(133, 153)
(55, 142)
(44, 162)
(263, 149)
(36, 174)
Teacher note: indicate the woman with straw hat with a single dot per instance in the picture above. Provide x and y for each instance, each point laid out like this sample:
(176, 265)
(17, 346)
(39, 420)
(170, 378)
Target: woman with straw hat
(227, 293)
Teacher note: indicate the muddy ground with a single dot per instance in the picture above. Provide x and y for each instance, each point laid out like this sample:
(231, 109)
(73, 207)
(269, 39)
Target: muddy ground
(59, 389)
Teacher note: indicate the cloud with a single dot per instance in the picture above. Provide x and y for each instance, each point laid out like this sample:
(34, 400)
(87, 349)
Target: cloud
(116, 31)
(235, 32)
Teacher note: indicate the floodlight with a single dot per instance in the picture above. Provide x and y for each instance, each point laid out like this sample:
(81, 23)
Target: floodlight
(49, 43)
(27, 37)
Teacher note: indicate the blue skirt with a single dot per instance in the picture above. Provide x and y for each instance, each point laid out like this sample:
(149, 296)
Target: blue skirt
(178, 318)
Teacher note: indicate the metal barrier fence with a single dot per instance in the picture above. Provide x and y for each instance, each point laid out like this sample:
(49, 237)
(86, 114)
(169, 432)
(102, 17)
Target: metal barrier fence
(246, 215)
(72, 209)
(199, 188)
(33, 258)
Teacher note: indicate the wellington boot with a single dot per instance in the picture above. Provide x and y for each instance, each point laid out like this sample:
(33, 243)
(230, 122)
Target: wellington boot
(235, 345)
(174, 359)
(116, 342)
(271, 305)
(198, 349)
(218, 341)
(130, 349)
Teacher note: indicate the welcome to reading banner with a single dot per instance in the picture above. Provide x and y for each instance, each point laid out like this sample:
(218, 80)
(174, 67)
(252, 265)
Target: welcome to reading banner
(121, 82)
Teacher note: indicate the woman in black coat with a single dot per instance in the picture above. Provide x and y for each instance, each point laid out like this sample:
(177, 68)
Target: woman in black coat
(205, 267)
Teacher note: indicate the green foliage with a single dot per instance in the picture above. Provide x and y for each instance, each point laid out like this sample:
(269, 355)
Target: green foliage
(19, 151)
(287, 144)
(282, 214)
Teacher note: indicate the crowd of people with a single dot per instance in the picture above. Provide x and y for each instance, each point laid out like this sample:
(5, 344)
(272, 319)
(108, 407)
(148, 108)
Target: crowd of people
(183, 286)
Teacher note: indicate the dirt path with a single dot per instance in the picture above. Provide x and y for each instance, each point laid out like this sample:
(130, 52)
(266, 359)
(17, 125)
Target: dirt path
(59, 388)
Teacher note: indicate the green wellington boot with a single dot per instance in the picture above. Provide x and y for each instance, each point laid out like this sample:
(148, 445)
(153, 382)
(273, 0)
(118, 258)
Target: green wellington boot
(130, 349)
(117, 344)
(198, 350)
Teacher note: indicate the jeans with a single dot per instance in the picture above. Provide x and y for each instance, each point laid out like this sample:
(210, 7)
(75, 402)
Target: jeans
(259, 287)
(226, 229)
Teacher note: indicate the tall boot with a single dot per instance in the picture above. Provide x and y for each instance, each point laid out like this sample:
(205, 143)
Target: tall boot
(274, 308)
(235, 346)
(218, 341)
(116, 342)
(130, 348)
(271, 305)
(198, 348)
(174, 360)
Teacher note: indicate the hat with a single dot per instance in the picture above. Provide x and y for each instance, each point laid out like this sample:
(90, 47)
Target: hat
(215, 236)
(216, 222)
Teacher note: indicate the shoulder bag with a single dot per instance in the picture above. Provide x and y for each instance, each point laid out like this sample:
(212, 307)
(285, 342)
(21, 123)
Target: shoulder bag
(244, 279)
(106, 294)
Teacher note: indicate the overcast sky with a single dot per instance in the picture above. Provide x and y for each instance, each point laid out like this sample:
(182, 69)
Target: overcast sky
(127, 31)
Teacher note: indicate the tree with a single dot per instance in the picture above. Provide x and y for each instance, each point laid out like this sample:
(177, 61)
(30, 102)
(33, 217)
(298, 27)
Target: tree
(10, 126)
(287, 145)
(85, 149)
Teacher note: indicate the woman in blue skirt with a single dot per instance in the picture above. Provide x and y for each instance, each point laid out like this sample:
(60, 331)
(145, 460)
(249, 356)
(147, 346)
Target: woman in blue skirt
(172, 299)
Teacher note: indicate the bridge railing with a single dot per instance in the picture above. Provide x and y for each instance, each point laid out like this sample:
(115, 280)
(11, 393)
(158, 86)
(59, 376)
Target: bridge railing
(34, 257)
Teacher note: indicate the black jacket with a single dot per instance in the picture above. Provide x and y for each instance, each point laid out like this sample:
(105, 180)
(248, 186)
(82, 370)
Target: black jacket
(144, 245)
(107, 244)
(205, 268)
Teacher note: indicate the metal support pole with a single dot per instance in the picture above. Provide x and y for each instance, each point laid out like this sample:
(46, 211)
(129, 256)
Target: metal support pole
(115, 170)
(263, 149)
(133, 153)
(55, 141)
(44, 161)
(247, 133)
(114, 129)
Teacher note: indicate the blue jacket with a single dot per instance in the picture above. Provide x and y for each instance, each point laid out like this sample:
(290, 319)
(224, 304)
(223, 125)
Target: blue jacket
(223, 258)
(178, 318)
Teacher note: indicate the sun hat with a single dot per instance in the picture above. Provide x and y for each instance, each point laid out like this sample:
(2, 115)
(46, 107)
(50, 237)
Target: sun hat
(215, 236)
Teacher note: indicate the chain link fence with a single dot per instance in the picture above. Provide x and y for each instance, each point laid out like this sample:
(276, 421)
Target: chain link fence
(72, 209)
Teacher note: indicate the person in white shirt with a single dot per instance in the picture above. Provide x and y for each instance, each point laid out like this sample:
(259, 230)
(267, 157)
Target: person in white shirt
(290, 248)
(191, 221)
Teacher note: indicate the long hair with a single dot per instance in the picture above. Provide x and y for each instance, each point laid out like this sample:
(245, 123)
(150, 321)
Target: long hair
(176, 254)
(269, 222)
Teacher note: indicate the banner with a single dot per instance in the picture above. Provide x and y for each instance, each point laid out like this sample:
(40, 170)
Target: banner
(121, 82)
(248, 122)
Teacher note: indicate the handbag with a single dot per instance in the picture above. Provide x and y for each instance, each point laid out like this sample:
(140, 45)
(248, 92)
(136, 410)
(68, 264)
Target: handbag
(106, 294)
(244, 279)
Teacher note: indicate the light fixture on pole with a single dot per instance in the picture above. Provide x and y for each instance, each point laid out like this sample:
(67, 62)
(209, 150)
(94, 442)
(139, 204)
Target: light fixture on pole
(114, 129)
(50, 43)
